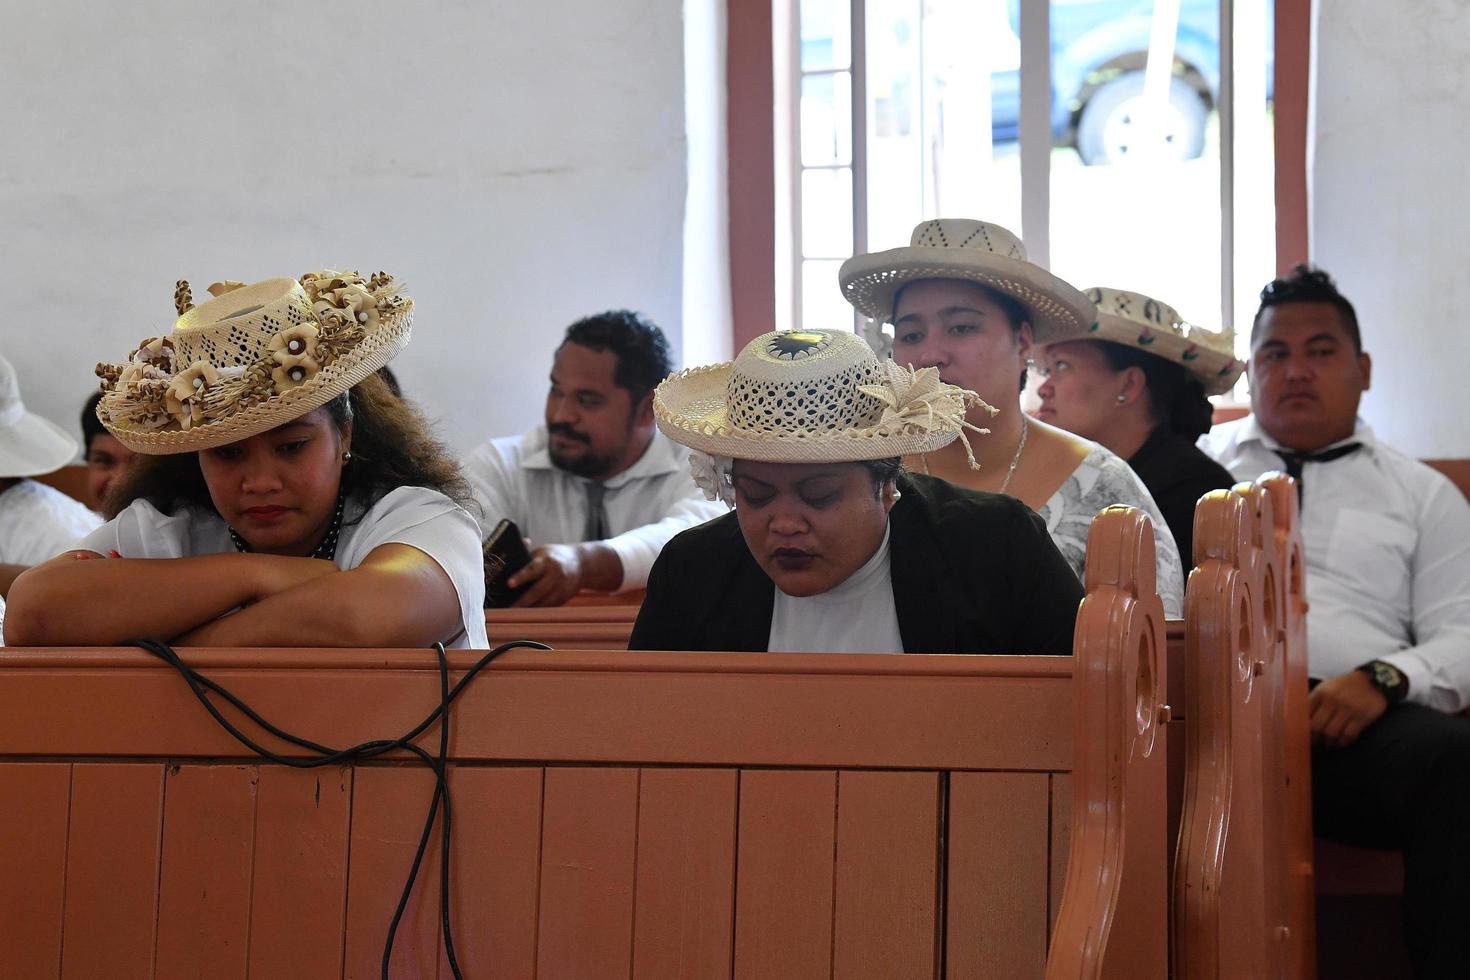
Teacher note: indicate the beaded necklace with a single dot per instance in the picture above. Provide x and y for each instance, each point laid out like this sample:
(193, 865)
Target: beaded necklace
(327, 550)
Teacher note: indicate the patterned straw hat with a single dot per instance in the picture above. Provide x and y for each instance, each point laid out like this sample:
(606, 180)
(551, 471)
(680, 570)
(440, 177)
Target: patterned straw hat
(252, 358)
(974, 251)
(810, 397)
(1136, 320)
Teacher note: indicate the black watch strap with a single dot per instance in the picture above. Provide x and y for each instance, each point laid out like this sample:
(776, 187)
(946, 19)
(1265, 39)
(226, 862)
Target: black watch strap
(1387, 680)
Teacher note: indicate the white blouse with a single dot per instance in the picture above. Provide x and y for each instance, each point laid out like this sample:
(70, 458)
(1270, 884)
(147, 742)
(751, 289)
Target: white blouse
(416, 516)
(855, 616)
(1101, 480)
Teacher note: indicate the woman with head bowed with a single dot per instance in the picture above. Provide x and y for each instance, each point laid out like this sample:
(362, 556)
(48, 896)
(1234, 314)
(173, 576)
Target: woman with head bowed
(283, 496)
(832, 547)
(963, 299)
(1138, 384)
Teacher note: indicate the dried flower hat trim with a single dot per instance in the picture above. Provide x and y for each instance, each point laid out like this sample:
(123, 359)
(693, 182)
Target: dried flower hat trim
(276, 338)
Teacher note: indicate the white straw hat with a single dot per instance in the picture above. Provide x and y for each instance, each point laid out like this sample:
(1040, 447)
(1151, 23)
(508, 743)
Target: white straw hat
(809, 397)
(974, 251)
(29, 444)
(252, 358)
(1139, 321)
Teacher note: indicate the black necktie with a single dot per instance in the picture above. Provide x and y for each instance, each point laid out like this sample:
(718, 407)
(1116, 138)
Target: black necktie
(1295, 461)
(596, 527)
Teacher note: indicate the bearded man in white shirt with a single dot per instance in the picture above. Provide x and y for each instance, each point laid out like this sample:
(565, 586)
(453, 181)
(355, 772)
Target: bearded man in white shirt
(1388, 632)
(596, 487)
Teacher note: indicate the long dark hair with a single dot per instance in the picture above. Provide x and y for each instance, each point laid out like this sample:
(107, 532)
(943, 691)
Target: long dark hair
(1176, 398)
(392, 446)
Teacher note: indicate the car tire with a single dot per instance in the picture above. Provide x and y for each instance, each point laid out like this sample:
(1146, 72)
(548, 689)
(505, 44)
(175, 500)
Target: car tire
(1107, 131)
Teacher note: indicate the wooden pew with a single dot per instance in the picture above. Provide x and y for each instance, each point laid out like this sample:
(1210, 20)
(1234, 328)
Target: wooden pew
(570, 627)
(616, 813)
(1243, 869)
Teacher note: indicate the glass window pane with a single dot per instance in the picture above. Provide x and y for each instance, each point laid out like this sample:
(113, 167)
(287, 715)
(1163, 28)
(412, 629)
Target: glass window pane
(1255, 163)
(826, 119)
(826, 214)
(1135, 184)
(826, 35)
(822, 302)
(942, 109)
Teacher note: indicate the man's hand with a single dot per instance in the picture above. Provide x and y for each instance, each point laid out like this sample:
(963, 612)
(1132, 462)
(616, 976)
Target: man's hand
(1342, 707)
(554, 575)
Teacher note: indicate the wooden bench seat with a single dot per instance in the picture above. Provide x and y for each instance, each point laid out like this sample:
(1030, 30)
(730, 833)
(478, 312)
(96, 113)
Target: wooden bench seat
(616, 814)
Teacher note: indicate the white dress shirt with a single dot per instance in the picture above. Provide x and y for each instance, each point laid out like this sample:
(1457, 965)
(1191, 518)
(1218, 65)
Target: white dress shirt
(646, 504)
(855, 616)
(416, 516)
(1388, 560)
(38, 522)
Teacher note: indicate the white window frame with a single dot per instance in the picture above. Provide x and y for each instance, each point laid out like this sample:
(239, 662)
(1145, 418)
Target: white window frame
(1035, 146)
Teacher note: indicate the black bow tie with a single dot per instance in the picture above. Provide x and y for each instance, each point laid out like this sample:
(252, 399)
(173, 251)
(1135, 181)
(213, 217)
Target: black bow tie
(1295, 461)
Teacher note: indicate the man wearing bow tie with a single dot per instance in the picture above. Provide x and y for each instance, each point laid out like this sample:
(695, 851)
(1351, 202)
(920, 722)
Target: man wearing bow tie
(1387, 542)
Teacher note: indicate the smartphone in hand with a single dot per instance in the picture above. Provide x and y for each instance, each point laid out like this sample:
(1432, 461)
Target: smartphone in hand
(505, 554)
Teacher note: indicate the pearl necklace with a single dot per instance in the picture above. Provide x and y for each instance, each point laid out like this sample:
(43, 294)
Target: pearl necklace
(327, 550)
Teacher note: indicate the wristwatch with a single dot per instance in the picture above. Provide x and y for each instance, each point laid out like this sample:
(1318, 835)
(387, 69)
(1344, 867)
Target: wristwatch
(1387, 680)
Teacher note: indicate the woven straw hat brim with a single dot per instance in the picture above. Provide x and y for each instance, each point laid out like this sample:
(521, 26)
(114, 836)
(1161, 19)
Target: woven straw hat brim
(1059, 311)
(33, 446)
(1217, 371)
(375, 350)
(690, 409)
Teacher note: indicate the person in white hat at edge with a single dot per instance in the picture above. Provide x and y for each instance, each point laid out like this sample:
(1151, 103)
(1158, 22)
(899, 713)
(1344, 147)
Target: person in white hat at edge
(832, 547)
(37, 521)
(964, 299)
(284, 497)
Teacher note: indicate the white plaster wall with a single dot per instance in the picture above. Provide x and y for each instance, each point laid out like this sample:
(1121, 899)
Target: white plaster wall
(708, 320)
(1390, 205)
(516, 165)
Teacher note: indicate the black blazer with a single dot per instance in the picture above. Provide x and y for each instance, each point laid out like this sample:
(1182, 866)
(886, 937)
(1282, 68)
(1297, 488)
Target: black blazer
(1177, 474)
(972, 573)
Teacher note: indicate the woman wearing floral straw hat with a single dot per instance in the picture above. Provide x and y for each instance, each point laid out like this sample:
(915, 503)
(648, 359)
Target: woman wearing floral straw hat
(964, 299)
(286, 498)
(1138, 384)
(831, 547)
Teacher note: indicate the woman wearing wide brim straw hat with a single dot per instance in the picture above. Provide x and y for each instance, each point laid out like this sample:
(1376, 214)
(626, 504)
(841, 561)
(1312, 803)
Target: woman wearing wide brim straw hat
(831, 547)
(1138, 383)
(963, 298)
(297, 501)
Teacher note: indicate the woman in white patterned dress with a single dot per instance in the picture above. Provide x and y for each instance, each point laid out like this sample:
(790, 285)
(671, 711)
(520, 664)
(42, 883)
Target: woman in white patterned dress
(963, 298)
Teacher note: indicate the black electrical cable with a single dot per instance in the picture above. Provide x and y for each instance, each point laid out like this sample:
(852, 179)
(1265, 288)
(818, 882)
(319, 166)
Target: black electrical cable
(202, 686)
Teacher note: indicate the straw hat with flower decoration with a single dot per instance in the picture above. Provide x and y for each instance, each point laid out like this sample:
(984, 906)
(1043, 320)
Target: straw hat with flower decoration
(807, 397)
(252, 358)
(1139, 321)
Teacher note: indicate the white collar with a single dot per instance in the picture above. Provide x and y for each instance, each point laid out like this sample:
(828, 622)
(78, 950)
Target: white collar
(657, 460)
(1250, 431)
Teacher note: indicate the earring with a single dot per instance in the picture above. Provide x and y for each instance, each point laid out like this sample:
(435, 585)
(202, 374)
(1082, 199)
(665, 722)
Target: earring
(897, 496)
(347, 456)
(1121, 398)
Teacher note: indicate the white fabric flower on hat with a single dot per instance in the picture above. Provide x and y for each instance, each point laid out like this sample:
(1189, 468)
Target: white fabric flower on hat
(916, 400)
(712, 475)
